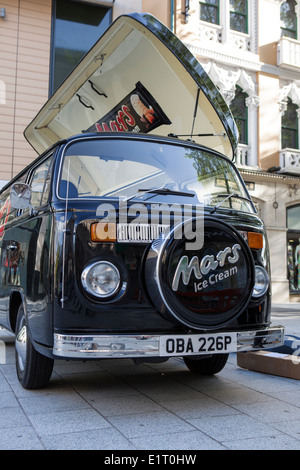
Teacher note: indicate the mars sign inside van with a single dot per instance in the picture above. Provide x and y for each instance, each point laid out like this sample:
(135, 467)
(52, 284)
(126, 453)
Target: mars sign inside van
(138, 112)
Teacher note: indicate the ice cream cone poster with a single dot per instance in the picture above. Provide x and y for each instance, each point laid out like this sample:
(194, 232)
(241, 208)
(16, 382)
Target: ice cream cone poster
(137, 112)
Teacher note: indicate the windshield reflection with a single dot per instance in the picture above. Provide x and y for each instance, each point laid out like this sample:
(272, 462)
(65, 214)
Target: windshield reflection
(150, 170)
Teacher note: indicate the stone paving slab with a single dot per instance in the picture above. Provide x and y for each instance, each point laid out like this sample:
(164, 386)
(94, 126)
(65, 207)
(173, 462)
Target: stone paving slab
(117, 405)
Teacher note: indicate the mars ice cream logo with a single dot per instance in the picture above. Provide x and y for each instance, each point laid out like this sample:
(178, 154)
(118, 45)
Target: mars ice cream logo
(207, 268)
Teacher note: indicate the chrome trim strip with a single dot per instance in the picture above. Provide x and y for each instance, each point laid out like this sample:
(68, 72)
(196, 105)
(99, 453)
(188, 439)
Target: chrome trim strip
(131, 346)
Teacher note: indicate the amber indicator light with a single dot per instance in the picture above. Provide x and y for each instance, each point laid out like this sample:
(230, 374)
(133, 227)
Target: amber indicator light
(103, 232)
(255, 240)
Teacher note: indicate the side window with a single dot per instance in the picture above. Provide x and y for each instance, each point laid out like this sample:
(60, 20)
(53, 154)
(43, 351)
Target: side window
(40, 183)
(7, 213)
(5, 210)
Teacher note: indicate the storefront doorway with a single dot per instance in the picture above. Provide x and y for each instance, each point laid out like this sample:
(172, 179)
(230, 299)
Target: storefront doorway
(293, 248)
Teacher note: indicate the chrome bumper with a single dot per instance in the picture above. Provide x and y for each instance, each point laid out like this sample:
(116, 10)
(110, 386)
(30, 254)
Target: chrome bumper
(131, 346)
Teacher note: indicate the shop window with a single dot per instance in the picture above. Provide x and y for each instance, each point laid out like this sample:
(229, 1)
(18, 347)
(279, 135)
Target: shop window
(288, 19)
(289, 127)
(209, 11)
(240, 113)
(293, 248)
(239, 15)
(76, 26)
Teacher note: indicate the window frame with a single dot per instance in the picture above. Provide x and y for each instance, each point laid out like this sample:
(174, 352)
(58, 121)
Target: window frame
(294, 30)
(212, 6)
(245, 119)
(49, 177)
(295, 129)
(51, 89)
(243, 15)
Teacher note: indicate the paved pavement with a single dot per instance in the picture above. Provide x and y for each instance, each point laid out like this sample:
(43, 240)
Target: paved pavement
(116, 406)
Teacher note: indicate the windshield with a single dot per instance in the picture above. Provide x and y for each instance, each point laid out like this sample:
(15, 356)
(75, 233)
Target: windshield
(150, 170)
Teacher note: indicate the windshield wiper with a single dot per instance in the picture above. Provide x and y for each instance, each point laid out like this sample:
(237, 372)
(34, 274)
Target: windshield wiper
(167, 191)
(145, 191)
(161, 190)
(226, 198)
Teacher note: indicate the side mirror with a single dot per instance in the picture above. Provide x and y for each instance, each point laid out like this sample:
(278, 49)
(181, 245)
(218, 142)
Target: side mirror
(20, 196)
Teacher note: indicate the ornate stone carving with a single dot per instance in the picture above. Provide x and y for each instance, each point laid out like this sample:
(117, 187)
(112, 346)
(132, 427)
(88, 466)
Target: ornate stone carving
(228, 79)
(292, 91)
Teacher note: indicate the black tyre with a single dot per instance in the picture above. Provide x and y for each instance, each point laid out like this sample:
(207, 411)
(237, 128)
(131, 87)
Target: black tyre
(207, 365)
(33, 369)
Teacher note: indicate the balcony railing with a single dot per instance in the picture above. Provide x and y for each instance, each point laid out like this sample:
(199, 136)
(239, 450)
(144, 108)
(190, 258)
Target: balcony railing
(240, 41)
(290, 161)
(243, 155)
(214, 34)
(209, 32)
(288, 53)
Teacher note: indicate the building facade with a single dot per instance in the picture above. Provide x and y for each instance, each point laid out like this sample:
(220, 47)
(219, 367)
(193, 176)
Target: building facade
(250, 49)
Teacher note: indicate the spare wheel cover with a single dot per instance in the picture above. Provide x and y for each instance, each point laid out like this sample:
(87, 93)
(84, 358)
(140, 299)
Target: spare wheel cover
(203, 288)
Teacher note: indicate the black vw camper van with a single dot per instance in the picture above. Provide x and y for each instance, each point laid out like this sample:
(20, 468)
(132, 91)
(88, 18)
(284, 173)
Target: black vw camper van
(132, 235)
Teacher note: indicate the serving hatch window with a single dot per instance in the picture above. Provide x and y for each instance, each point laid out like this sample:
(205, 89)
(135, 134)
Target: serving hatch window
(151, 171)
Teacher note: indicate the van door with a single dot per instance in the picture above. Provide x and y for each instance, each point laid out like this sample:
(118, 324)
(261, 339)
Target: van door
(4, 255)
(8, 250)
(30, 241)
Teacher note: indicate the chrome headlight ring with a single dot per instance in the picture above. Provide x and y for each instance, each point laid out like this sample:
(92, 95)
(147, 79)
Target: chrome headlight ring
(101, 279)
(262, 282)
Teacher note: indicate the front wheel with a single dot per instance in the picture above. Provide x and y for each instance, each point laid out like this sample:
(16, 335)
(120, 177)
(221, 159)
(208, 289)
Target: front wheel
(33, 369)
(206, 365)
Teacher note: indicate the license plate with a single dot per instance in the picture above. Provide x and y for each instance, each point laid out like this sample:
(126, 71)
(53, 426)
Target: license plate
(188, 345)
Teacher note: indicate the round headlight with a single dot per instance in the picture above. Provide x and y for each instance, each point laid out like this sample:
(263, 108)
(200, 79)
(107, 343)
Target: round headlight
(261, 282)
(101, 279)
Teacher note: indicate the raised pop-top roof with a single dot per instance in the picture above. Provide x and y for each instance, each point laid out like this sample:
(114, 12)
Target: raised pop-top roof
(138, 77)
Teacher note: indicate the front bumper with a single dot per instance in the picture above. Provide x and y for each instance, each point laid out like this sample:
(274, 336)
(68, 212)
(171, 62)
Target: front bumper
(133, 346)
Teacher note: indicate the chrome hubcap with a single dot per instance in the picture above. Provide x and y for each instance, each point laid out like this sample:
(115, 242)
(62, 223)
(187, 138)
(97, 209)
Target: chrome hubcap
(21, 346)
